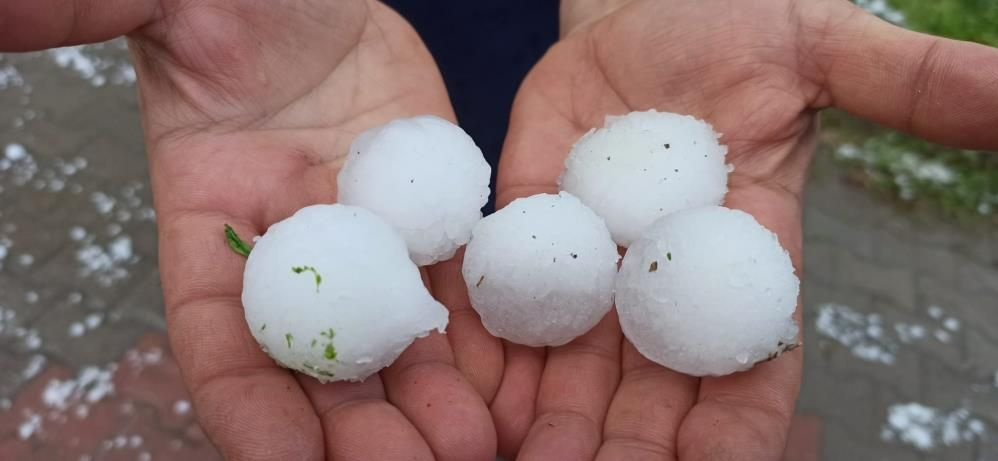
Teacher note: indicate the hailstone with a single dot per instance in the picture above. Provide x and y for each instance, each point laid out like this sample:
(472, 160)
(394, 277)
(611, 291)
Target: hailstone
(331, 292)
(425, 176)
(708, 291)
(645, 165)
(540, 271)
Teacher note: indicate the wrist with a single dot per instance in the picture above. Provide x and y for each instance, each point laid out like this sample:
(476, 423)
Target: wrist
(576, 13)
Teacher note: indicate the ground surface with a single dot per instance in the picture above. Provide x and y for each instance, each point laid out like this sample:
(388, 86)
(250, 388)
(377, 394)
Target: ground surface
(901, 320)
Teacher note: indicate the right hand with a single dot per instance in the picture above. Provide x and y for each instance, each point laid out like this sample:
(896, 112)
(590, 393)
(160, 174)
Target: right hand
(759, 71)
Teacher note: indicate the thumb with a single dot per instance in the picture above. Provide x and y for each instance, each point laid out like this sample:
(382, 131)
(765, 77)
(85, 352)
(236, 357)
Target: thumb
(37, 24)
(943, 90)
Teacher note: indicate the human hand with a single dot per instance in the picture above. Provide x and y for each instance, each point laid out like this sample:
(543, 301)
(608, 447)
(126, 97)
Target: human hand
(248, 109)
(759, 72)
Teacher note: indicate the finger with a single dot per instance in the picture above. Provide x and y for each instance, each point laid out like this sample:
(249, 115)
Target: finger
(250, 408)
(533, 156)
(647, 410)
(359, 423)
(515, 402)
(578, 382)
(446, 409)
(939, 89)
(38, 24)
(747, 415)
(575, 14)
(538, 141)
(539, 137)
(515, 405)
(477, 354)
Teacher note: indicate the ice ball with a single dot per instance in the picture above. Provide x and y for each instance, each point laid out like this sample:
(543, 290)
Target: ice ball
(645, 165)
(425, 176)
(540, 271)
(708, 291)
(331, 292)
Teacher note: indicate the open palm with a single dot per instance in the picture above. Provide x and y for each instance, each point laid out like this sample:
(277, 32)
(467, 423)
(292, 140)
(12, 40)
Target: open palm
(249, 108)
(759, 72)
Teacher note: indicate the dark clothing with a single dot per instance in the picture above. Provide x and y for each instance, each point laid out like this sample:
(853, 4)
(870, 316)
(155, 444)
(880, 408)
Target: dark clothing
(484, 49)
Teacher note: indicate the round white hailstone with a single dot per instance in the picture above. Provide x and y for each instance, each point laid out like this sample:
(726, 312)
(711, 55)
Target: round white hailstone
(645, 165)
(708, 291)
(425, 176)
(331, 292)
(540, 271)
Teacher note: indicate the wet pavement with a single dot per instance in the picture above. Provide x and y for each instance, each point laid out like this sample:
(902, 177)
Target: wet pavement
(85, 371)
(901, 309)
(901, 320)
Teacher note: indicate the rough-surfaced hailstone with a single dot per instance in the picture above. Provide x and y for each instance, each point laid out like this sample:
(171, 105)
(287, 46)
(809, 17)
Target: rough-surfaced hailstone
(540, 271)
(425, 176)
(645, 165)
(708, 291)
(331, 292)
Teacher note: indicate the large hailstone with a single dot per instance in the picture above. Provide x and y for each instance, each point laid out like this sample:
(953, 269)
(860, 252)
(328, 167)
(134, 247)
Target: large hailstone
(540, 271)
(425, 176)
(645, 165)
(331, 292)
(708, 291)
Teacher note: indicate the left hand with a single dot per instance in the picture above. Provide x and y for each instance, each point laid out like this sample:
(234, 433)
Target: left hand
(759, 72)
(248, 109)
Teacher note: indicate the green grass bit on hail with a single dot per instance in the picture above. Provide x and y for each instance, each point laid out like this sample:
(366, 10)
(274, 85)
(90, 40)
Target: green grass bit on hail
(318, 277)
(236, 243)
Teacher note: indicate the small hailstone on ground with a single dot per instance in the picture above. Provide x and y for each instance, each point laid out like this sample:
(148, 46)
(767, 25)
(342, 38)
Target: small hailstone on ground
(15, 152)
(540, 271)
(708, 291)
(645, 165)
(425, 176)
(331, 292)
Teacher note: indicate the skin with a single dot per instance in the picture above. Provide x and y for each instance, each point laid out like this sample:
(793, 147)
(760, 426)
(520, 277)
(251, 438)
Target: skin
(248, 108)
(759, 72)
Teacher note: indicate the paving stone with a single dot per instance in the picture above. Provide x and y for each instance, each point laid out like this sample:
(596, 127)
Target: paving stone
(16, 367)
(137, 406)
(986, 451)
(96, 270)
(943, 385)
(974, 311)
(48, 140)
(74, 335)
(896, 283)
(939, 343)
(981, 358)
(818, 224)
(904, 373)
(50, 105)
(840, 445)
(815, 292)
(940, 264)
(895, 250)
(820, 261)
(822, 385)
(114, 159)
(978, 279)
(145, 304)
